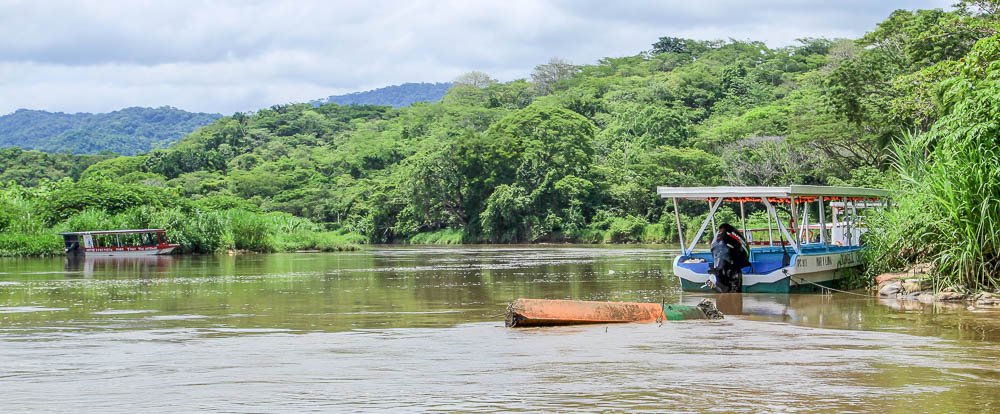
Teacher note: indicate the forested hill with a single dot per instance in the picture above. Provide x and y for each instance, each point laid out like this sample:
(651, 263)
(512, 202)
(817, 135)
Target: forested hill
(574, 152)
(128, 131)
(396, 96)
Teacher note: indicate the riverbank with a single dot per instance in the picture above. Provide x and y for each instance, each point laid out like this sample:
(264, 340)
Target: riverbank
(612, 230)
(244, 232)
(45, 245)
(31, 219)
(918, 284)
(194, 239)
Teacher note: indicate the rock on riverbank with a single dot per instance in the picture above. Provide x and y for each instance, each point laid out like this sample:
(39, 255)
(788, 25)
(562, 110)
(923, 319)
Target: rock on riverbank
(914, 284)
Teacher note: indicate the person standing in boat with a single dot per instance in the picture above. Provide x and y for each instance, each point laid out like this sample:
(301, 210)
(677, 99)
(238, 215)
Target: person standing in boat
(730, 255)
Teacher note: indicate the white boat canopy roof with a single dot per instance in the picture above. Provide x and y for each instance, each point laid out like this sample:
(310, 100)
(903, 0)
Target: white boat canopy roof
(703, 193)
(128, 231)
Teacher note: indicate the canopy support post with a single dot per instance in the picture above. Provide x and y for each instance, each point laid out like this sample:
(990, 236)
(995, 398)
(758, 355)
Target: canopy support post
(804, 234)
(795, 216)
(854, 219)
(680, 231)
(847, 225)
(701, 230)
(743, 219)
(712, 214)
(822, 222)
(781, 226)
(770, 234)
(833, 212)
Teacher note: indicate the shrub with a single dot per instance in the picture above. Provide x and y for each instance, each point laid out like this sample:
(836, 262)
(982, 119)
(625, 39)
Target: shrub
(442, 236)
(327, 241)
(654, 233)
(17, 244)
(625, 230)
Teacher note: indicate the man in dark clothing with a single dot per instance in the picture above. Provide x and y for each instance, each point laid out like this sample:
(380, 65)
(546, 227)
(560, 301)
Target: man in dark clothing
(730, 255)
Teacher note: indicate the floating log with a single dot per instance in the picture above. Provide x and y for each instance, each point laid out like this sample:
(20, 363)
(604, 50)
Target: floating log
(551, 312)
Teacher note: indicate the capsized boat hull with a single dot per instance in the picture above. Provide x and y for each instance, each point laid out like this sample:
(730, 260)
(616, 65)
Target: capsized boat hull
(551, 312)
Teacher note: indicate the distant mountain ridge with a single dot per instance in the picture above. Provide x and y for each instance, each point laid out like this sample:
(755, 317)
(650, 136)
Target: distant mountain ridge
(396, 96)
(126, 131)
(137, 130)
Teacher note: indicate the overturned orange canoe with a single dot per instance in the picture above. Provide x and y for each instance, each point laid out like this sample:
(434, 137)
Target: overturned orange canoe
(551, 312)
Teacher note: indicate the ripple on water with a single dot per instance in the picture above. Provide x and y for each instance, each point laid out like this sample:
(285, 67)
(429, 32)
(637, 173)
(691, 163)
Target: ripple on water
(26, 309)
(175, 317)
(123, 311)
(735, 365)
(402, 312)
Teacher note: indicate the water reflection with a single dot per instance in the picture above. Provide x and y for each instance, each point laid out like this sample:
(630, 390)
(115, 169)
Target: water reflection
(88, 266)
(844, 311)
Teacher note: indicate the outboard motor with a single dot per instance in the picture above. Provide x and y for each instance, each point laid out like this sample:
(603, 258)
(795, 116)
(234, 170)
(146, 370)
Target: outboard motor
(729, 257)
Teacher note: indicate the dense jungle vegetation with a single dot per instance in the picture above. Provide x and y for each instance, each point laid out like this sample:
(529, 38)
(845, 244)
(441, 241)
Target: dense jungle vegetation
(575, 152)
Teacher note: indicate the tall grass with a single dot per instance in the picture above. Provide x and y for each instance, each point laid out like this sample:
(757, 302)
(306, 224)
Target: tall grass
(613, 229)
(654, 233)
(249, 231)
(965, 189)
(325, 241)
(909, 232)
(22, 228)
(442, 236)
(947, 209)
(20, 244)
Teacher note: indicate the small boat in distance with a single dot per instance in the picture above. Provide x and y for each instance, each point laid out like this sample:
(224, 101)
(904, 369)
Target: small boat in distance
(138, 242)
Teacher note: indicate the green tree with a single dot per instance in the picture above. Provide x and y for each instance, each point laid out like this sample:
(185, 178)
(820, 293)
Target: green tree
(546, 77)
(507, 215)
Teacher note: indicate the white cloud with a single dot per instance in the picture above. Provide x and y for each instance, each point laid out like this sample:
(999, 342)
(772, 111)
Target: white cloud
(226, 56)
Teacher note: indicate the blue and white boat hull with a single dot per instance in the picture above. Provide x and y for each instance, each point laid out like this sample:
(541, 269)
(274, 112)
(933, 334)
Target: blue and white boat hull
(816, 267)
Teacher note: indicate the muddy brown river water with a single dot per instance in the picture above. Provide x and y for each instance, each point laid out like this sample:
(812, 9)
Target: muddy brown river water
(420, 329)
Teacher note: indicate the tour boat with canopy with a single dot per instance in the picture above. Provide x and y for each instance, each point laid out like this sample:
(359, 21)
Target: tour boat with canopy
(795, 258)
(138, 242)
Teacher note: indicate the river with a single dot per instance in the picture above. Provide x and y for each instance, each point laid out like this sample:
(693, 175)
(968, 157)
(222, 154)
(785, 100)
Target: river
(421, 329)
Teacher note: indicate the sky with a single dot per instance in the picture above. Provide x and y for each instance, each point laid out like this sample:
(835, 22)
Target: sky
(227, 56)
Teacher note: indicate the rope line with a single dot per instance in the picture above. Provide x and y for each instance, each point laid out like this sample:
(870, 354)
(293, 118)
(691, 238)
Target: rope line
(801, 280)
